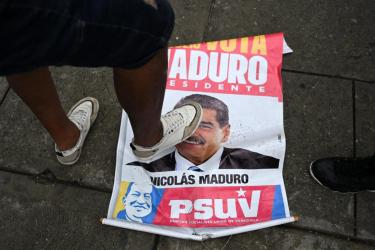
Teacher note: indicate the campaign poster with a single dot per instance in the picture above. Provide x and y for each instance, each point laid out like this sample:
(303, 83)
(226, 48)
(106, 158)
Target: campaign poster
(227, 177)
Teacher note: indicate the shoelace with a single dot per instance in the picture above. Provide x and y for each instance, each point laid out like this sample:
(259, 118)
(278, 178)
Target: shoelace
(174, 120)
(79, 117)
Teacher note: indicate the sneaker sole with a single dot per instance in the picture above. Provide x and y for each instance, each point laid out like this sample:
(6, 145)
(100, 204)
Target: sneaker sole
(340, 192)
(195, 123)
(94, 114)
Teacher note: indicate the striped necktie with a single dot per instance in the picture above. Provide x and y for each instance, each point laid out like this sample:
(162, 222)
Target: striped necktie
(194, 168)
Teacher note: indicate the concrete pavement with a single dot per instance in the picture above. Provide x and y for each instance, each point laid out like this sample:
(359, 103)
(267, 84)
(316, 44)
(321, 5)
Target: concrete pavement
(329, 107)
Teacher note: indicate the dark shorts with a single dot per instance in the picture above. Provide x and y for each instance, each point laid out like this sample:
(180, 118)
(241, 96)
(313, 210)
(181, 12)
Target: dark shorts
(87, 33)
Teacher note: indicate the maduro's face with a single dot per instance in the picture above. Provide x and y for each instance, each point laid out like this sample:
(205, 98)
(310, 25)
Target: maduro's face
(206, 140)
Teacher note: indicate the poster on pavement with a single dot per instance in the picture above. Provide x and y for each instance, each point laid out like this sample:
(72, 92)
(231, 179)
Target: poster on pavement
(227, 177)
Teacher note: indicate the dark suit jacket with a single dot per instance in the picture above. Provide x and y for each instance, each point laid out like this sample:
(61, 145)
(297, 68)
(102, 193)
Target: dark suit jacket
(232, 158)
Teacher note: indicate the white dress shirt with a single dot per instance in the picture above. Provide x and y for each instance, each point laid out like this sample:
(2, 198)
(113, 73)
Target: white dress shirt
(182, 164)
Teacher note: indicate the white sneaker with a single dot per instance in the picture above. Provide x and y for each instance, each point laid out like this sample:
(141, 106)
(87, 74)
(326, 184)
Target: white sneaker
(178, 125)
(83, 115)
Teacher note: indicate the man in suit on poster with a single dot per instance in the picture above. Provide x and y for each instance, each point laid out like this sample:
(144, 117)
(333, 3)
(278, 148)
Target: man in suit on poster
(203, 151)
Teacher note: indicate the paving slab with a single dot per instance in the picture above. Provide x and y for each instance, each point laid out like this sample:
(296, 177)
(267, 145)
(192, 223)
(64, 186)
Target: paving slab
(281, 238)
(317, 30)
(365, 146)
(37, 216)
(190, 22)
(318, 123)
(3, 87)
(27, 147)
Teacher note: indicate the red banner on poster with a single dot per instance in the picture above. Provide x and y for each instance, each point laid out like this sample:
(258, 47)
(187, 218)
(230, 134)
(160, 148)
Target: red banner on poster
(244, 66)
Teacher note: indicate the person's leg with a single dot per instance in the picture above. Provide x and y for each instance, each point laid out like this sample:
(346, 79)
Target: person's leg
(139, 80)
(37, 90)
(140, 92)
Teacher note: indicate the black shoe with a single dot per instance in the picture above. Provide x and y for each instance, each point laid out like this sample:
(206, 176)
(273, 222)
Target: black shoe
(345, 174)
